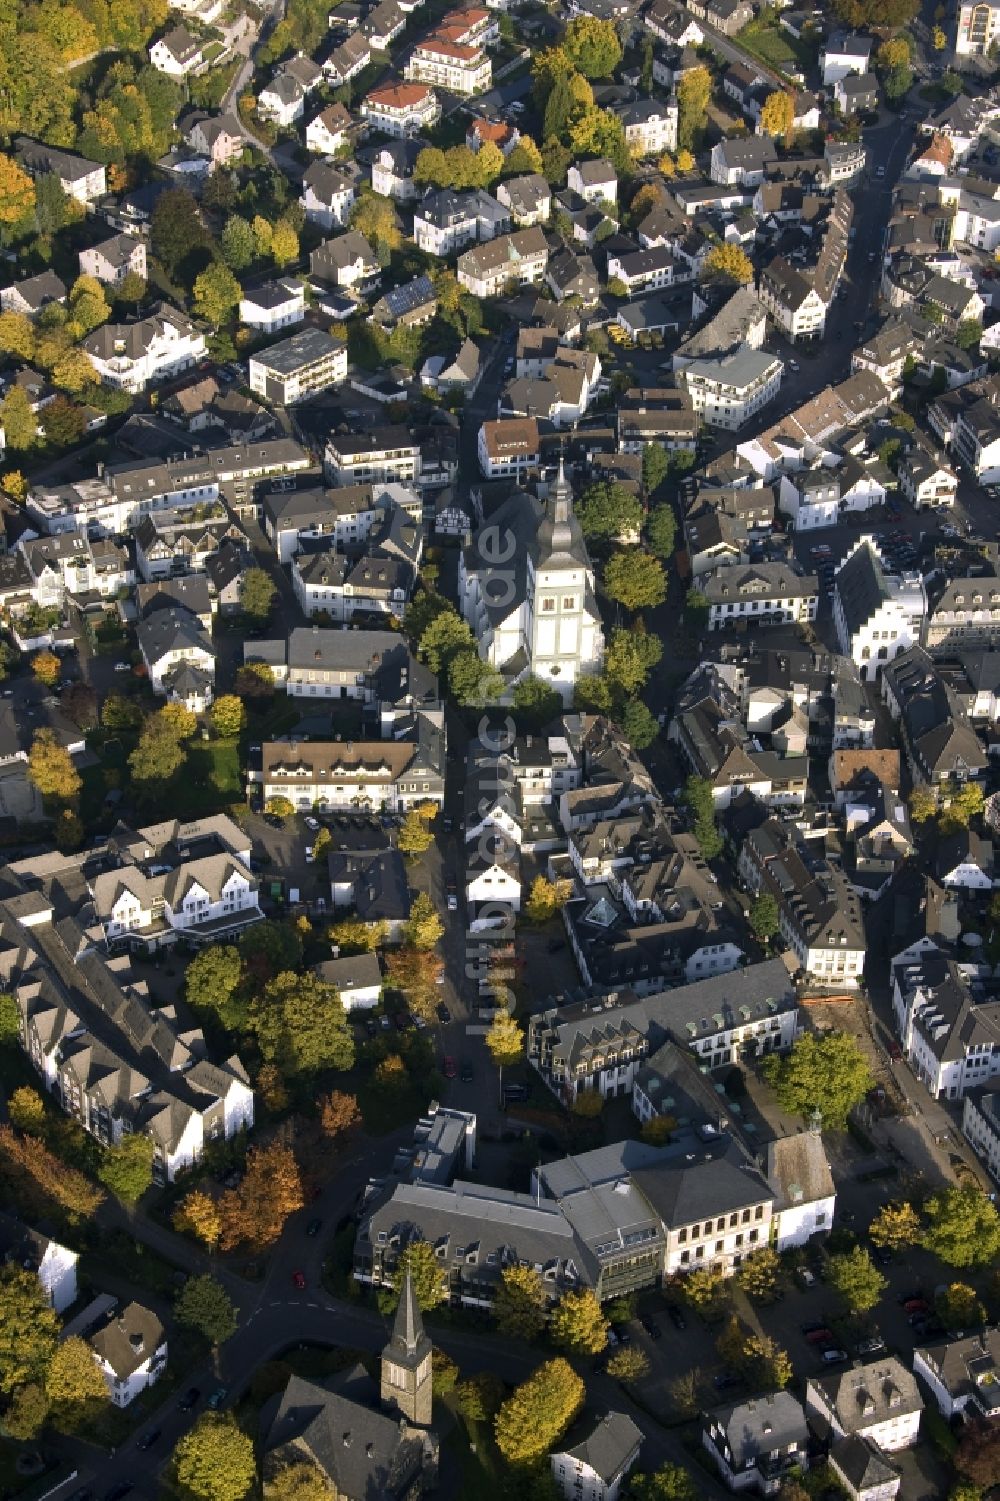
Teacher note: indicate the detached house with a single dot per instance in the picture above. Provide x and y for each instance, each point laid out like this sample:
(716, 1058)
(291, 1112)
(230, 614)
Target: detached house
(756, 1443)
(327, 195)
(178, 53)
(112, 260)
(132, 356)
(80, 178)
(879, 1401)
(593, 1462)
(348, 60)
(529, 198)
(329, 131)
(131, 1352)
(172, 640)
(595, 180)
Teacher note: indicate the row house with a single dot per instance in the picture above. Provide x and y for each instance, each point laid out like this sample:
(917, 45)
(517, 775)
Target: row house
(966, 615)
(345, 517)
(941, 746)
(339, 588)
(373, 775)
(383, 455)
(602, 1043)
(182, 540)
(509, 447)
(760, 594)
(514, 260)
(968, 423)
(202, 900)
(950, 1038)
(662, 415)
(76, 565)
(819, 913)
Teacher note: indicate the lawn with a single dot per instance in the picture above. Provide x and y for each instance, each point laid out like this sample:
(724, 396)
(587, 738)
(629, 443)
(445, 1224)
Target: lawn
(211, 780)
(777, 47)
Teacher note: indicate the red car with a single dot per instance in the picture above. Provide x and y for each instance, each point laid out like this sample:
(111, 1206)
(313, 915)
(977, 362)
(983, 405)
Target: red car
(448, 1067)
(916, 1305)
(895, 1052)
(299, 1278)
(819, 1336)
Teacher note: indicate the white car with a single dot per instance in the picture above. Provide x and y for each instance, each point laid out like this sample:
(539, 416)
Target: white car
(879, 171)
(311, 823)
(452, 903)
(309, 852)
(122, 667)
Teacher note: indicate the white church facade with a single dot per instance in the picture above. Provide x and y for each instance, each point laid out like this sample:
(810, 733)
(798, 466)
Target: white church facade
(526, 584)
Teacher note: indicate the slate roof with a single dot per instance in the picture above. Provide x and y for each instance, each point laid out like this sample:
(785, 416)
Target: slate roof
(605, 1448)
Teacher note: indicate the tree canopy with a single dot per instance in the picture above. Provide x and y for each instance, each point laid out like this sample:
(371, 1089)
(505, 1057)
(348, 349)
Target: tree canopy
(635, 579)
(963, 1227)
(825, 1075)
(203, 1304)
(537, 1414)
(300, 1024)
(215, 1461)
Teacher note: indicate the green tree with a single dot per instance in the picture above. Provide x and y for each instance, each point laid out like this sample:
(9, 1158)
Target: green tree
(299, 1480)
(375, 218)
(655, 467)
(10, 1020)
(505, 1040)
(669, 1483)
(415, 836)
(609, 512)
(524, 160)
(424, 928)
(968, 333)
(127, 1169)
(17, 191)
(473, 682)
(958, 1307)
(445, 635)
(923, 804)
(74, 1385)
(26, 1413)
(704, 1288)
(825, 1075)
(19, 422)
(51, 769)
(156, 759)
(430, 1282)
(215, 1461)
(538, 1412)
(519, 1304)
(630, 657)
(535, 703)
(764, 917)
(730, 263)
(300, 1025)
(895, 1226)
(694, 91)
(635, 579)
(51, 204)
(228, 716)
(204, 1305)
(639, 724)
(28, 1329)
(758, 1276)
(213, 983)
(578, 1324)
(592, 46)
(131, 289)
(178, 238)
(284, 243)
(352, 936)
(546, 898)
(963, 1227)
(777, 115)
(88, 306)
(237, 243)
(480, 1396)
(629, 1364)
(216, 294)
(856, 1279)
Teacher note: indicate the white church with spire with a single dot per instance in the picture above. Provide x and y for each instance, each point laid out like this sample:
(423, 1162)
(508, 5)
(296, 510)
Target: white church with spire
(526, 585)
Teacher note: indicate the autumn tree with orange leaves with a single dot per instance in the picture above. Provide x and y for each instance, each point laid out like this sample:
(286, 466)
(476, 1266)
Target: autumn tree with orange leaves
(255, 1213)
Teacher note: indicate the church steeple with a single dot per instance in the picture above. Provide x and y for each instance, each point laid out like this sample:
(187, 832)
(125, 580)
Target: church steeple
(559, 535)
(406, 1360)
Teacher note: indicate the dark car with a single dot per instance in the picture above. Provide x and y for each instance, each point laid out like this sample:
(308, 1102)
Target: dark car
(820, 1336)
(676, 1317)
(622, 1333)
(726, 1380)
(443, 1014)
(274, 821)
(314, 1227)
(468, 1073)
(652, 1329)
(217, 1398)
(149, 1439)
(189, 1399)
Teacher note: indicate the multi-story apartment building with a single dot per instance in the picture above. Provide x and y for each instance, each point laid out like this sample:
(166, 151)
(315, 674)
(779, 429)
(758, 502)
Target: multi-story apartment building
(131, 356)
(448, 64)
(760, 593)
(81, 179)
(298, 367)
(950, 1039)
(384, 455)
(729, 389)
(383, 775)
(401, 109)
(977, 25)
(509, 446)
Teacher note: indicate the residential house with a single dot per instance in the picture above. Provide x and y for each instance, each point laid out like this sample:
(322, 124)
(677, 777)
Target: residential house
(210, 136)
(757, 1442)
(950, 1039)
(940, 744)
(446, 221)
(130, 1351)
(742, 161)
(981, 1126)
(593, 1461)
(348, 60)
(171, 639)
(792, 300)
(650, 126)
(729, 389)
(178, 53)
(856, 94)
(54, 1264)
(348, 260)
(81, 179)
(594, 180)
(273, 306)
(963, 861)
(508, 446)
(358, 979)
(112, 260)
(413, 303)
(878, 1401)
(298, 367)
(452, 65)
(382, 455)
(977, 25)
(569, 275)
(328, 194)
(844, 53)
(131, 356)
(32, 294)
(392, 169)
(863, 1470)
(518, 259)
(925, 477)
(761, 594)
(329, 131)
(384, 775)
(962, 1374)
(529, 198)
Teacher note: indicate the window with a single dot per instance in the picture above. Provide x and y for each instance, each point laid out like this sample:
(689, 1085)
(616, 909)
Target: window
(548, 605)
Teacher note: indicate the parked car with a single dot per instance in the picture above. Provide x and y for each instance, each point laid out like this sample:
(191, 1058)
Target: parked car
(189, 1399)
(312, 823)
(675, 1316)
(217, 1398)
(622, 1331)
(299, 1278)
(820, 1336)
(149, 1439)
(468, 1073)
(652, 1329)
(314, 1227)
(448, 1067)
(835, 1357)
(443, 1014)
(806, 1277)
